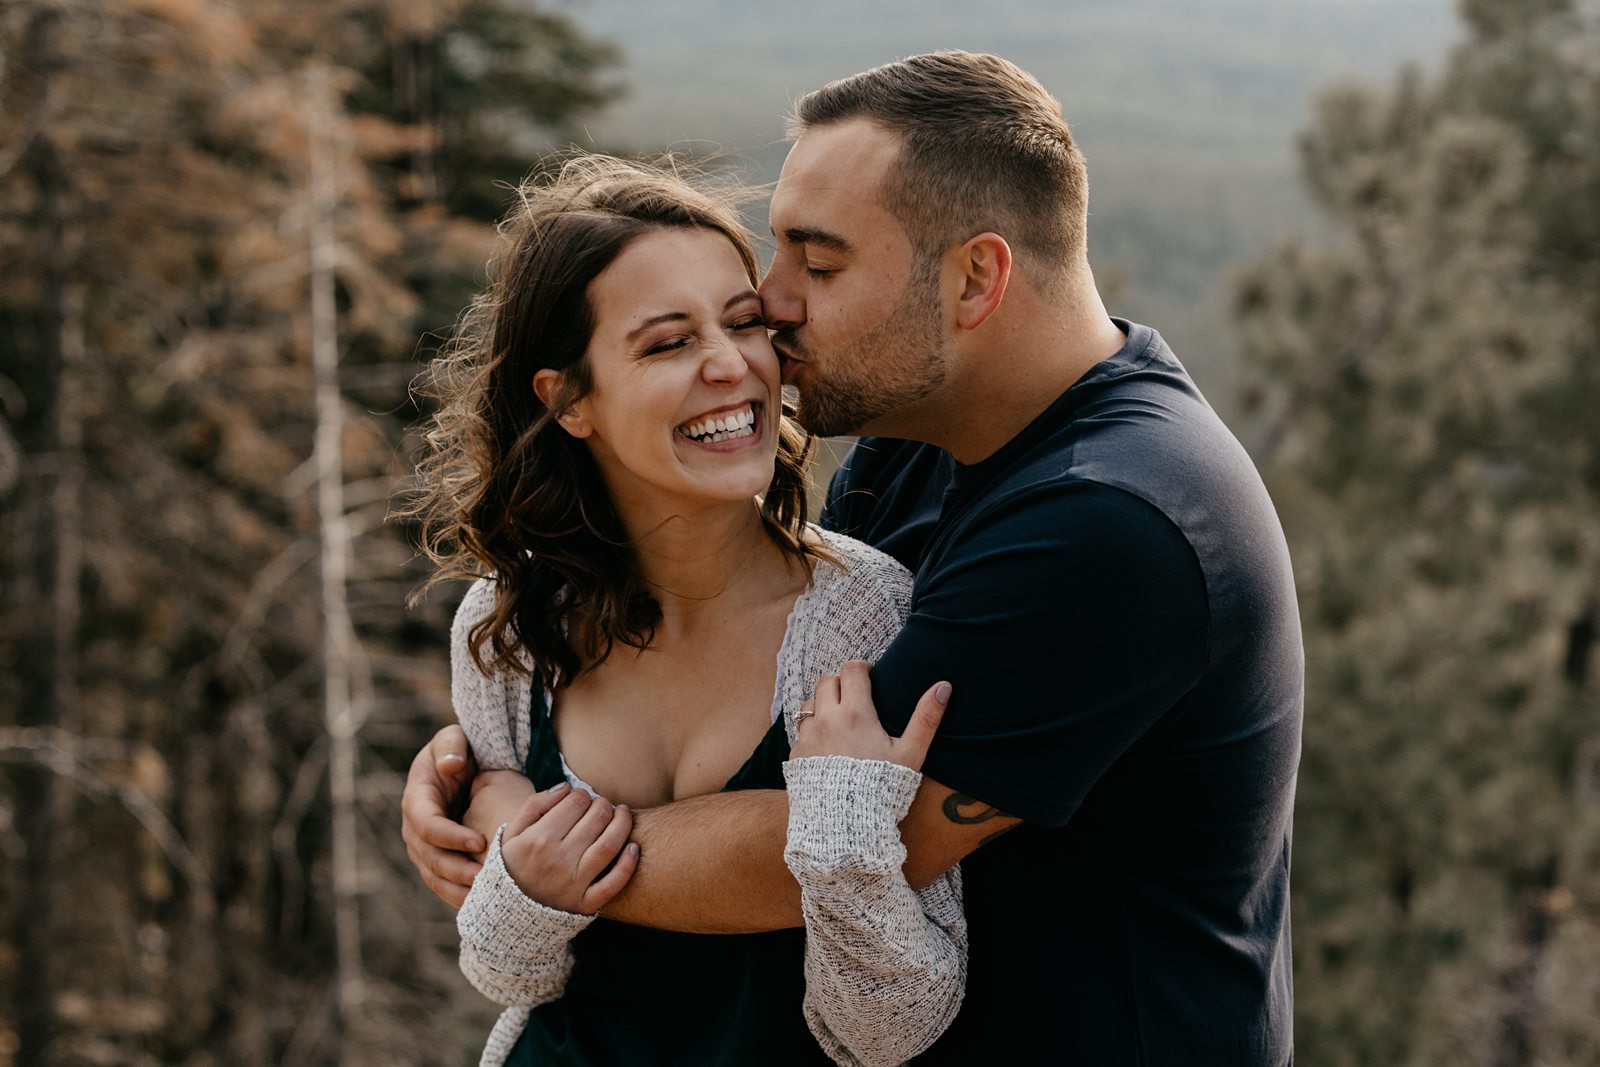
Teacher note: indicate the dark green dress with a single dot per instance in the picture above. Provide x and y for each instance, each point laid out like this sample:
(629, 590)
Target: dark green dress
(642, 996)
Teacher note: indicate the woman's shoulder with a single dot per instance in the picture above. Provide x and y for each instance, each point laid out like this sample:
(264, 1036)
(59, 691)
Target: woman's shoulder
(857, 575)
(476, 606)
(856, 602)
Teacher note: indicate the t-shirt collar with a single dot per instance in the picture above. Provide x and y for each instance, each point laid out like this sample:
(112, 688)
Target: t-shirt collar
(1134, 354)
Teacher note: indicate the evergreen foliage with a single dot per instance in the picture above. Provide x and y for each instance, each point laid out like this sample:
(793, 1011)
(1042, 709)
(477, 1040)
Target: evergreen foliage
(1429, 389)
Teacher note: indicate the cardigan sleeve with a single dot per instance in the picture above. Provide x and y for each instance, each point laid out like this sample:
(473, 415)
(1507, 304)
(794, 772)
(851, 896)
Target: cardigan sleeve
(492, 708)
(885, 965)
(514, 950)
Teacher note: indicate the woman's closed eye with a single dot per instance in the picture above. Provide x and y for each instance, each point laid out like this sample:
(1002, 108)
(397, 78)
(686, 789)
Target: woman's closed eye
(671, 344)
(748, 322)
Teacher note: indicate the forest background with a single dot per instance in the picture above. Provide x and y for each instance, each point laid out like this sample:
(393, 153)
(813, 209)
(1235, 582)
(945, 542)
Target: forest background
(231, 234)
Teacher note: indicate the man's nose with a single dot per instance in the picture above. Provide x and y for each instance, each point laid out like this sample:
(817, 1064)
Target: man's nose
(780, 301)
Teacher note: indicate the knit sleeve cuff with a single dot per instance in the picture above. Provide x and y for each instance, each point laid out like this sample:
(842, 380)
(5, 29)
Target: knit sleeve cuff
(509, 931)
(844, 813)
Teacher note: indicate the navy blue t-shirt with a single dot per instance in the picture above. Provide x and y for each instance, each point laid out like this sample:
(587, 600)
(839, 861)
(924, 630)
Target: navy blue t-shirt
(1110, 595)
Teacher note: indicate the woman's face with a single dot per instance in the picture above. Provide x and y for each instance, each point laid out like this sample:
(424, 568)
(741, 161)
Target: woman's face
(684, 403)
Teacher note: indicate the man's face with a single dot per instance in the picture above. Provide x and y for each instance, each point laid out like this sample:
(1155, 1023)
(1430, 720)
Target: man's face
(859, 323)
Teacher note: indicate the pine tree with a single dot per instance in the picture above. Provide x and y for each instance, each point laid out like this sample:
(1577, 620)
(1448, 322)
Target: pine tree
(1428, 387)
(166, 825)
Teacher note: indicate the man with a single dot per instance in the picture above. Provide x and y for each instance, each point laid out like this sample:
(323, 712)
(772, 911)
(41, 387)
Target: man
(1099, 573)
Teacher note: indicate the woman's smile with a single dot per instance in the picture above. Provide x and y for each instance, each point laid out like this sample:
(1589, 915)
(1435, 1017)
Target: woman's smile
(726, 429)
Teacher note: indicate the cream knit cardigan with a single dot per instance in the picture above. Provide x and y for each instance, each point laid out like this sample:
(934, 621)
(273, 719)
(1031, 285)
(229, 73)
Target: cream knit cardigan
(885, 966)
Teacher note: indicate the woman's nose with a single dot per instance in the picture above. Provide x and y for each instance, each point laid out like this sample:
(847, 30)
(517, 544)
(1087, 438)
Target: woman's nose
(724, 362)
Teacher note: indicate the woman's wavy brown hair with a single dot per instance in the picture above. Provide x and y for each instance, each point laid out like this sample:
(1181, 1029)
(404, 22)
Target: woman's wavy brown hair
(502, 490)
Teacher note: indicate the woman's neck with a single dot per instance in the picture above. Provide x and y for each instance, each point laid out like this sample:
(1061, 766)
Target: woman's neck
(717, 559)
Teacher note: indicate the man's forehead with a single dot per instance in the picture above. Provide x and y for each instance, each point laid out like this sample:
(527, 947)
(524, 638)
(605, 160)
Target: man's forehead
(841, 153)
(833, 167)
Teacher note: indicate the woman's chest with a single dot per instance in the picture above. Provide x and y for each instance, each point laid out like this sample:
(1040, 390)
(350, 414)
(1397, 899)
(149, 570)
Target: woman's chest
(673, 722)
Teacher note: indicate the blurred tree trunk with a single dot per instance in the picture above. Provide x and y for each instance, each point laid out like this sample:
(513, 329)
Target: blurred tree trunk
(49, 440)
(214, 293)
(339, 645)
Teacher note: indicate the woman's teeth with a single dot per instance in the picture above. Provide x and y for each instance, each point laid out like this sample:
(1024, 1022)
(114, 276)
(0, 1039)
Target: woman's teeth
(729, 427)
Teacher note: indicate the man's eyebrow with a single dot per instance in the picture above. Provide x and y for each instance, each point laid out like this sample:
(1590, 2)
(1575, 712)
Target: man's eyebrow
(803, 235)
(674, 316)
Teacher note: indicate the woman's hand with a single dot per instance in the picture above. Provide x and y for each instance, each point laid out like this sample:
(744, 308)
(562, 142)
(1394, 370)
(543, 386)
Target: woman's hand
(842, 721)
(560, 842)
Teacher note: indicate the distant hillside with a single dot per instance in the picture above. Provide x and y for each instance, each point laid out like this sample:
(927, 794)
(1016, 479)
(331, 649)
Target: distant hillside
(1187, 111)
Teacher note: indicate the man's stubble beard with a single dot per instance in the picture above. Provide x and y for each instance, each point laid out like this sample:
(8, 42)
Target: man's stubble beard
(895, 364)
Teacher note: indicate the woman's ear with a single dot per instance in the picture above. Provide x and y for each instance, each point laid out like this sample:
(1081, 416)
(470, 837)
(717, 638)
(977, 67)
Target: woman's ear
(985, 262)
(547, 387)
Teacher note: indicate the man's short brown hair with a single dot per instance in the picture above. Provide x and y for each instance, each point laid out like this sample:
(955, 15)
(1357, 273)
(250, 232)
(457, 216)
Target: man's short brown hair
(984, 148)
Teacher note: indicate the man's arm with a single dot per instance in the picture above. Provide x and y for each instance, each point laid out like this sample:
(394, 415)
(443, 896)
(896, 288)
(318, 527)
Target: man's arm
(711, 864)
(714, 864)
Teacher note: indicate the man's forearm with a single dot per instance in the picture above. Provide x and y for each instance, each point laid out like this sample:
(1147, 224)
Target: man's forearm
(712, 865)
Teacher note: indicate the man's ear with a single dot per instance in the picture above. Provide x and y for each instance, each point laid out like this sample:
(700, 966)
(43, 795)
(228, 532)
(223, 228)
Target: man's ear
(985, 262)
(547, 387)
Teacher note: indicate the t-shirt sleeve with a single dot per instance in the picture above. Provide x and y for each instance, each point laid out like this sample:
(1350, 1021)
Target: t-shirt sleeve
(1069, 620)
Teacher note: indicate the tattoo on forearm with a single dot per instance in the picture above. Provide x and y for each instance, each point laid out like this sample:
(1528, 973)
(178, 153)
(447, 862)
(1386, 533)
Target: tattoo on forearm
(967, 811)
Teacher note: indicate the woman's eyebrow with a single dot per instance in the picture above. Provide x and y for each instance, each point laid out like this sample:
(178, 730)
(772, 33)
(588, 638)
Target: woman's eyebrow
(676, 316)
(655, 320)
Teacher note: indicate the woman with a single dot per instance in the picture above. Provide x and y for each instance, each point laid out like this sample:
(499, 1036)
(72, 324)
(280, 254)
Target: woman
(612, 450)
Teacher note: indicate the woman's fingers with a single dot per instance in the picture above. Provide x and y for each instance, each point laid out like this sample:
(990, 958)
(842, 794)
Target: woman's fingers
(855, 688)
(607, 846)
(535, 808)
(600, 893)
(827, 693)
(911, 748)
(587, 830)
(559, 820)
(450, 887)
(846, 721)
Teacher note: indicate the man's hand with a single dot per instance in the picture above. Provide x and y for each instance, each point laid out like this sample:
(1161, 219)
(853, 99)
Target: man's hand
(841, 721)
(435, 787)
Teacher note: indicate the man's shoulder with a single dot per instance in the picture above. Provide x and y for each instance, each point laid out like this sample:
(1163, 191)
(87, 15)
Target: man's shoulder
(874, 463)
(887, 493)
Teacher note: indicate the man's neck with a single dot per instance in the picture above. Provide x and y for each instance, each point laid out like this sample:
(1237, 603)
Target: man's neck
(1008, 373)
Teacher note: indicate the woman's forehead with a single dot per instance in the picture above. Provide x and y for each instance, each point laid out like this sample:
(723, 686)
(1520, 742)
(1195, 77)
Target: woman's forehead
(667, 271)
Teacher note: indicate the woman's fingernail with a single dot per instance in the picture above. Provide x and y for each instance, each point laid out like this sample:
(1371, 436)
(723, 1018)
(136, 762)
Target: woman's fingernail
(560, 788)
(450, 759)
(942, 693)
(633, 848)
